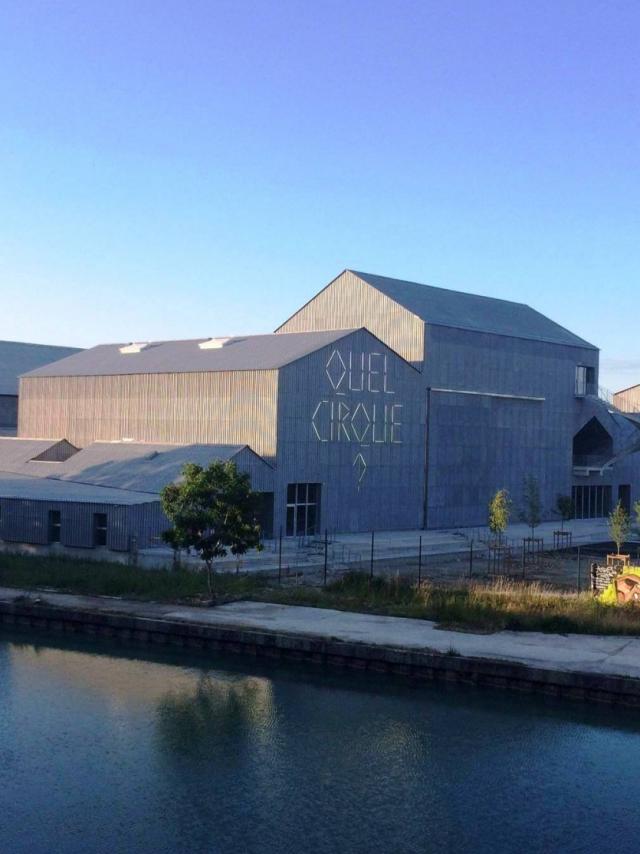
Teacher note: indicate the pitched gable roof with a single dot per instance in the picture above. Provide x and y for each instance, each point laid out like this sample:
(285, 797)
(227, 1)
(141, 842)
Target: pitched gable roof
(241, 353)
(443, 307)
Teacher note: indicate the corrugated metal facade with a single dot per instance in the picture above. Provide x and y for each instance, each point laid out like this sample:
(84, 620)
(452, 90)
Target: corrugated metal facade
(481, 443)
(348, 302)
(351, 418)
(218, 408)
(628, 400)
(27, 521)
(8, 410)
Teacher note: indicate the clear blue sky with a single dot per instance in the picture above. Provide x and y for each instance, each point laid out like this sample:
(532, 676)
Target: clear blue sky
(182, 169)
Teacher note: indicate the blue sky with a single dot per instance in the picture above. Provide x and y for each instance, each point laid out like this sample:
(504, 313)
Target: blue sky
(184, 169)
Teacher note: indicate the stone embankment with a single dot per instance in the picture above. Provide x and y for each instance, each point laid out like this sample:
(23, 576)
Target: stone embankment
(581, 667)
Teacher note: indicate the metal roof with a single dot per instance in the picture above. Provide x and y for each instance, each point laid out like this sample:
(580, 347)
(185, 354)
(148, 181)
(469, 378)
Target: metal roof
(14, 485)
(17, 358)
(129, 466)
(144, 467)
(241, 353)
(15, 453)
(443, 307)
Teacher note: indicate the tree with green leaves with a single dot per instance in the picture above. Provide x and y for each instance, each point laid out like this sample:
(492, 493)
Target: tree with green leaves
(213, 511)
(565, 509)
(619, 525)
(499, 513)
(531, 504)
(636, 510)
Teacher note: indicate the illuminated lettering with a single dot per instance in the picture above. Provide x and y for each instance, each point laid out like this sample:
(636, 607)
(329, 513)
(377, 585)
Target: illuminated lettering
(395, 425)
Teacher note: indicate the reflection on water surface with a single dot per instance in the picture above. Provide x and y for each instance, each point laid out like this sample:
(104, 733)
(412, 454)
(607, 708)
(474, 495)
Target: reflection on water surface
(108, 750)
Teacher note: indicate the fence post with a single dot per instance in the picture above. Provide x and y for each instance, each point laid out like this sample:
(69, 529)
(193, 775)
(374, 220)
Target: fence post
(373, 535)
(524, 558)
(470, 558)
(280, 557)
(579, 567)
(420, 561)
(326, 545)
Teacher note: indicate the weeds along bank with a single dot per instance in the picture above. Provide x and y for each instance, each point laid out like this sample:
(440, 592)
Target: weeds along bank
(486, 606)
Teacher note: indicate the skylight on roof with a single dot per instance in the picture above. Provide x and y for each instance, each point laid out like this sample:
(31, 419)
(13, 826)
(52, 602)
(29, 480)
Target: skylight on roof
(134, 347)
(215, 343)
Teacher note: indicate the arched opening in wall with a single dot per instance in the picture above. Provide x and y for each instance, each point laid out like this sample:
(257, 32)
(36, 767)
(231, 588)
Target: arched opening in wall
(592, 445)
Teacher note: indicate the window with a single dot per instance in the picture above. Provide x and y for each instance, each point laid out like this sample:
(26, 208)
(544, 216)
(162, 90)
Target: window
(303, 505)
(585, 380)
(54, 526)
(591, 502)
(99, 529)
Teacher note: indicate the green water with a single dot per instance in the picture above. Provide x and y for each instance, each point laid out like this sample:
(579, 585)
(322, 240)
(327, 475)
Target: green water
(104, 749)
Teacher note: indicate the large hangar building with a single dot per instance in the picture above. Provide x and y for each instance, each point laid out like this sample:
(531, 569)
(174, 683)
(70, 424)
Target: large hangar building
(379, 405)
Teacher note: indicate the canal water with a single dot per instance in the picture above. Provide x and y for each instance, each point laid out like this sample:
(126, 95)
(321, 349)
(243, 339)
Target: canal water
(109, 749)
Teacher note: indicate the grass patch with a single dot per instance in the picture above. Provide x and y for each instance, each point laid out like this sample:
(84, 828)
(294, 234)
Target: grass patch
(485, 607)
(101, 578)
(470, 606)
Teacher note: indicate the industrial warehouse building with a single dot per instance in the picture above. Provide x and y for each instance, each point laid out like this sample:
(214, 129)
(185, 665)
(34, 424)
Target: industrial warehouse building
(380, 404)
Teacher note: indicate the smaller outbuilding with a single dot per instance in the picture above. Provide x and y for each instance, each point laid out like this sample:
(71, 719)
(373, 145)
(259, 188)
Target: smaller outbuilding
(106, 495)
(628, 400)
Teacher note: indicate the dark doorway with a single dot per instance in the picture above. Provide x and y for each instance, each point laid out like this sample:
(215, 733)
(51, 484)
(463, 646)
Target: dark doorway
(99, 529)
(592, 446)
(624, 496)
(265, 514)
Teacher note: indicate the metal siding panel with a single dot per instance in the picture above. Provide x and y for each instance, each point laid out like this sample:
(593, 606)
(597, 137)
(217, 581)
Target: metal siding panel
(220, 408)
(392, 490)
(481, 444)
(261, 474)
(8, 410)
(24, 521)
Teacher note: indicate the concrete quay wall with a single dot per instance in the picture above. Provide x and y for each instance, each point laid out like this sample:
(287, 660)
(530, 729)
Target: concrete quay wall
(415, 665)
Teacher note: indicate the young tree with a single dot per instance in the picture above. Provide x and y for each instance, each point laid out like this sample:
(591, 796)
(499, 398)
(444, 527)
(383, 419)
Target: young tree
(619, 525)
(532, 507)
(213, 511)
(564, 509)
(499, 512)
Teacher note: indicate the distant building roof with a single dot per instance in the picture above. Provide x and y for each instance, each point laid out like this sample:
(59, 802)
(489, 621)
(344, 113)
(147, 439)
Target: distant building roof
(129, 466)
(443, 307)
(240, 353)
(630, 388)
(17, 358)
(16, 453)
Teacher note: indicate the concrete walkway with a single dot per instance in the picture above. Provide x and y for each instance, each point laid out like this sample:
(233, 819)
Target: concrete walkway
(352, 549)
(592, 654)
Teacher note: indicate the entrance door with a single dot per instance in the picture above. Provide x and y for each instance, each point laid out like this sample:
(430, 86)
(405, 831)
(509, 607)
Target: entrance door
(624, 496)
(265, 514)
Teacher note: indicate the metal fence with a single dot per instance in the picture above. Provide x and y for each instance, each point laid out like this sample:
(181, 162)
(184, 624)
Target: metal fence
(321, 560)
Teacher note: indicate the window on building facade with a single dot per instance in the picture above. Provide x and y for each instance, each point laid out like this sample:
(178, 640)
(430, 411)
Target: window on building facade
(99, 529)
(54, 526)
(591, 502)
(303, 509)
(585, 380)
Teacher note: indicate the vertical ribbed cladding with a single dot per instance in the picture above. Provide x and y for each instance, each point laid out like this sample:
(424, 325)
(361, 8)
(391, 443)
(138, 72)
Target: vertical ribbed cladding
(235, 407)
(27, 521)
(348, 302)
